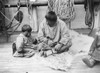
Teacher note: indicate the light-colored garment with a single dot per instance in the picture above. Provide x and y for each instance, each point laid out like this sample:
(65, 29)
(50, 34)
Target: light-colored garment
(23, 46)
(23, 42)
(58, 33)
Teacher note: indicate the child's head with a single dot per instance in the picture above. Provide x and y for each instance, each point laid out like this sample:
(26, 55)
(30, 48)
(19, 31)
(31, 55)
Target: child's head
(26, 29)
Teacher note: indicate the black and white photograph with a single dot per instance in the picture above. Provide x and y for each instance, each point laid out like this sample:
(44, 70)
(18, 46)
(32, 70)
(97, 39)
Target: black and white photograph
(49, 36)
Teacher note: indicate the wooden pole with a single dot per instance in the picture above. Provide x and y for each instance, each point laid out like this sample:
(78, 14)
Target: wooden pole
(23, 4)
(45, 3)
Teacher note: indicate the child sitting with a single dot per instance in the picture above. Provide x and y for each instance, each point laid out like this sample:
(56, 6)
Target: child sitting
(25, 42)
(94, 54)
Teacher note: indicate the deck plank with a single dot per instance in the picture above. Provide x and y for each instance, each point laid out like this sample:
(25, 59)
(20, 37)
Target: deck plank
(9, 64)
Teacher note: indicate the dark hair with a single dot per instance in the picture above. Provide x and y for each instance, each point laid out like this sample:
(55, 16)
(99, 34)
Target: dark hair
(26, 28)
(51, 16)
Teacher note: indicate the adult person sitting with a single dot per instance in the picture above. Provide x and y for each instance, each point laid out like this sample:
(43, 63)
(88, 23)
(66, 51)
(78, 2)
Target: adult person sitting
(53, 34)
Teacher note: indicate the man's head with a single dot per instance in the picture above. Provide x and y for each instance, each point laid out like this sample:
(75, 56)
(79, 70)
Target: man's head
(26, 29)
(51, 18)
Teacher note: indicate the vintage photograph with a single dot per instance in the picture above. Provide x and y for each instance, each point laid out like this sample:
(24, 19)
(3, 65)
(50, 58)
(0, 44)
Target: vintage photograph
(49, 36)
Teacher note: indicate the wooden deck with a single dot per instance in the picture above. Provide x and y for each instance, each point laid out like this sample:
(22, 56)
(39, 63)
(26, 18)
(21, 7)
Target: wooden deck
(9, 64)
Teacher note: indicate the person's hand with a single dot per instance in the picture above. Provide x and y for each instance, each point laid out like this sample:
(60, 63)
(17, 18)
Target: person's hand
(58, 47)
(54, 50)
(52, 44)
(34, 47)
(46, 47)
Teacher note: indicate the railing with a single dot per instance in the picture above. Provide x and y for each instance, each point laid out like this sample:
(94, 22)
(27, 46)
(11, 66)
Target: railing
(44, 3)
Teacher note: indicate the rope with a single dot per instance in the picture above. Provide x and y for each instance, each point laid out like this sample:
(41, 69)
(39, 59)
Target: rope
(18, 5)
(92, 15)
(11, 21)
(18, 19)
(15, 28)
(93, 22)
(7, 17)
